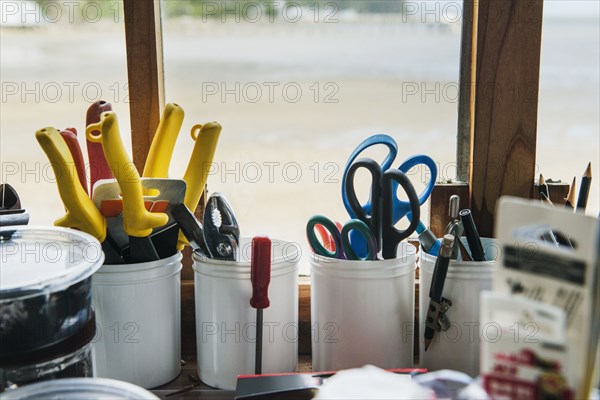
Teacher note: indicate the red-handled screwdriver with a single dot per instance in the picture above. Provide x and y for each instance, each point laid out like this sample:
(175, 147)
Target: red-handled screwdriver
(260, 275)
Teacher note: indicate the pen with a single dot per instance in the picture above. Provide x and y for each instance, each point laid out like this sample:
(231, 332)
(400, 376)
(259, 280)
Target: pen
(472, 235)
(436, 288)
(584, 190)
(464, 254)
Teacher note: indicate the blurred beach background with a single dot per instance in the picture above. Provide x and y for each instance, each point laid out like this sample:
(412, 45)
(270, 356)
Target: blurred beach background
(295, 92)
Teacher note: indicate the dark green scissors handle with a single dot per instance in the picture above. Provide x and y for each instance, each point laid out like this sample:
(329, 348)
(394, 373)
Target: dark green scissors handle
(314, 242)
(343, 249)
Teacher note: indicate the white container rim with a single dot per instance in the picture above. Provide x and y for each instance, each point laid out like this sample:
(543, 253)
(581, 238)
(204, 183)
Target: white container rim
(72, 255)
(285, 257)
(459, 269)
(125, 274)
(374, 269)
(83, 387)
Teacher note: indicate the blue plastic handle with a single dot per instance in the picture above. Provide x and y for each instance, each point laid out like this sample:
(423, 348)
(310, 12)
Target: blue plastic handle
(385, 140)
(401, 207)
(435, 249)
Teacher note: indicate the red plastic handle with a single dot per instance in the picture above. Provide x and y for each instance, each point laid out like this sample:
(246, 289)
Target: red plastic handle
(70, 137)
(260, 272)
(326, 237)
(99, 168)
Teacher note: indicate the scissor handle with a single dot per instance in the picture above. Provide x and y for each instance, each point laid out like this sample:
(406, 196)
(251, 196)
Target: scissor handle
(391, 236)
(373, 221)
(358, 226)
(326, 237)
(333, 231)
(385, 140)
(421, 159)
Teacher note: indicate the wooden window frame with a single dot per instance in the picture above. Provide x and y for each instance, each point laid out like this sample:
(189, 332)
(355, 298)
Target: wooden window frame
(496, 140)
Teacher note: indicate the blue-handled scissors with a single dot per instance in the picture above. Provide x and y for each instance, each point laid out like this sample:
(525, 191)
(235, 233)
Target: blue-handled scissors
(341, 240)
(400, 208)
(383, 196)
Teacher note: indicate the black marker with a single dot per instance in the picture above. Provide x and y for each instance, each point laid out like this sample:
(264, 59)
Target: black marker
(472, 235)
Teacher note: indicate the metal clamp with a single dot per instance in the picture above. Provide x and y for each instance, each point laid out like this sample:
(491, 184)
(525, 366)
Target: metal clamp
(221, 230)
(436, 315)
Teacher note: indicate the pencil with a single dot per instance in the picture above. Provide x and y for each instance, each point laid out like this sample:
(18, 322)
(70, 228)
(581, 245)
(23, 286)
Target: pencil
(543, 190)
(584, 190)
(570, 200)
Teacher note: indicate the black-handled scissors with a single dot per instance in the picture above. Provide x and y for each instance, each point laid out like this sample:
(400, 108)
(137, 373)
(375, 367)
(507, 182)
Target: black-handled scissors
(383, 196)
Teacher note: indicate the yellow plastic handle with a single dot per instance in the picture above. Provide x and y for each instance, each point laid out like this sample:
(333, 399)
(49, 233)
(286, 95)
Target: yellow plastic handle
(161, 150)
(206, 137)
(137, 221)
(81, 213)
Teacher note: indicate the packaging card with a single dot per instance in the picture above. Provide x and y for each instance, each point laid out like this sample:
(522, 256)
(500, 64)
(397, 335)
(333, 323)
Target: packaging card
(564, 276)
(523, 349)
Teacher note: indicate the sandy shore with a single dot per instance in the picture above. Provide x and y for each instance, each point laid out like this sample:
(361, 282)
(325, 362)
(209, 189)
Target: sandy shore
(280, 159)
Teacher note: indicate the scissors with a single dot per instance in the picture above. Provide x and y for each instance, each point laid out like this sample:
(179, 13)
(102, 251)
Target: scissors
(341, 240)
(383, 200)
(399, 207)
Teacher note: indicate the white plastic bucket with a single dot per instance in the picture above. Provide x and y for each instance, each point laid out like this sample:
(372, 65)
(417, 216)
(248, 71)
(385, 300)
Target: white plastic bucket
(458, 347)
(138, 314)
(363, 311)
(226, 324)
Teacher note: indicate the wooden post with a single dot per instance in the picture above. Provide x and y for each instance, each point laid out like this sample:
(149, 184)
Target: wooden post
(508, 40)
(143, 36)
(439, 205)
(466, 94)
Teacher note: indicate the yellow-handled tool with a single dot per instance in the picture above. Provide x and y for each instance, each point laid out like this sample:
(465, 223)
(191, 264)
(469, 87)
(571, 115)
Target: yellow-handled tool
(161, 149)
(137, 221)
(206, 137)
(81, 214)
